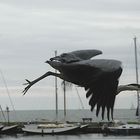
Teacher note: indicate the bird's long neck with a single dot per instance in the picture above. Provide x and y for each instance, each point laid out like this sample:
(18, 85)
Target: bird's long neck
(121, 88)
(128, 88)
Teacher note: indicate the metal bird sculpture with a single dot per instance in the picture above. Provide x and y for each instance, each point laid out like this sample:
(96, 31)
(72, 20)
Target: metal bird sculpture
(99, 77)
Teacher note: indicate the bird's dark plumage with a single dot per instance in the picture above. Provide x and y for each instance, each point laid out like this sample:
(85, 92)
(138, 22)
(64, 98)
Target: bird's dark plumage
(99, 77)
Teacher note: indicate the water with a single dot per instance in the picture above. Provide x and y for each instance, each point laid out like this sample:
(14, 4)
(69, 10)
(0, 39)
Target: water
(72, 115)
(70, 137)
(124, 115)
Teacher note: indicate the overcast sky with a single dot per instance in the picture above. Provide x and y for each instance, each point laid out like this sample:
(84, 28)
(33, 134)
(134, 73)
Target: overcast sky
(31, 30)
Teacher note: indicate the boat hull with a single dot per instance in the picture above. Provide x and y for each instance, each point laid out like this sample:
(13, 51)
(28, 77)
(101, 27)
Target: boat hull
(52, 131)
(125, 130)
(9, 129)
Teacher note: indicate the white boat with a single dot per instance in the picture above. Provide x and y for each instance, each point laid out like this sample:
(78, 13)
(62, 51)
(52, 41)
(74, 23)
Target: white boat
(127, 129)
(51, 129)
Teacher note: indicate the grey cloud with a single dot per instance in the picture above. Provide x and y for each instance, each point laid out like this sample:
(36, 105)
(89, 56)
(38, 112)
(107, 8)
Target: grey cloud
(32, 30)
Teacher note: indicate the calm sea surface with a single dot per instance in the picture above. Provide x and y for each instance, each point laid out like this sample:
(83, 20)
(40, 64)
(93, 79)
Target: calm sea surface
(72, 115)
(70, 137)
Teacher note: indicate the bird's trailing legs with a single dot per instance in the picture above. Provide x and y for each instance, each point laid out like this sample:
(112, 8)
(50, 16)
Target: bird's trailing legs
(31, 83)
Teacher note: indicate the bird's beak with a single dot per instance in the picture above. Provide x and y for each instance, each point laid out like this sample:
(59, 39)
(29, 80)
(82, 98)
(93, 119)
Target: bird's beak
(47, 61)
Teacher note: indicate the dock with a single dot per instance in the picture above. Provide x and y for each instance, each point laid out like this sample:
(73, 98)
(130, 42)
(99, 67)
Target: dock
(106, 128)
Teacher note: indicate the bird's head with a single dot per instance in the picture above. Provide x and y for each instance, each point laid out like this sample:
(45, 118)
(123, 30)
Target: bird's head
(66, 58)
(55, 64)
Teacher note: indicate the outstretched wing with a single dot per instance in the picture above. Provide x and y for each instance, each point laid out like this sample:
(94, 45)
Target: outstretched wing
(100, 80)
(102, 90)
(76, 56)
(86, 54)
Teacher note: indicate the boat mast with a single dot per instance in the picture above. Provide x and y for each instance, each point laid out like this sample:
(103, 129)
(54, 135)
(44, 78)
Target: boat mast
(56, 93)
(64, 100)
(137, 76)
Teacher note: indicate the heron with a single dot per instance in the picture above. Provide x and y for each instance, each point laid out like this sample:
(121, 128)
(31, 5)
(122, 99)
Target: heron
(99, 77)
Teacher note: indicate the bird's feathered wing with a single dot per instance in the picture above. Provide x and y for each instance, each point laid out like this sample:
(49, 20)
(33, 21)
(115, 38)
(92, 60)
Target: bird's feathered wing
(86, 54)
(100, 80)
(102, 92)
(75, 56)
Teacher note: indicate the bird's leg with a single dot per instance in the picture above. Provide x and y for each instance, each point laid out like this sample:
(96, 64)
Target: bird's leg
(30, 83)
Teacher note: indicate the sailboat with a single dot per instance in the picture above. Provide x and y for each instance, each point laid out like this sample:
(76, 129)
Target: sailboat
(55, 128)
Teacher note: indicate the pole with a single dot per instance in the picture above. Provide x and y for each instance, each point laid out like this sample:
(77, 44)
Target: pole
(56, 93)
(137, 76)
(7, 110)
(64, 100)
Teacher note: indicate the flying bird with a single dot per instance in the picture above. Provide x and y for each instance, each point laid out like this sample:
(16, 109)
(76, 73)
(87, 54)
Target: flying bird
(99, 77)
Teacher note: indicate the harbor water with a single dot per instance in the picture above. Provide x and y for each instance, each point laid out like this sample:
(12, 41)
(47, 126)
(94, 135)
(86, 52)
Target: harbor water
(70, 137)
(123, 115)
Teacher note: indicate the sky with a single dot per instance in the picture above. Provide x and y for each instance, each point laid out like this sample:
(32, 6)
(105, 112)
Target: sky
(31, 31)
